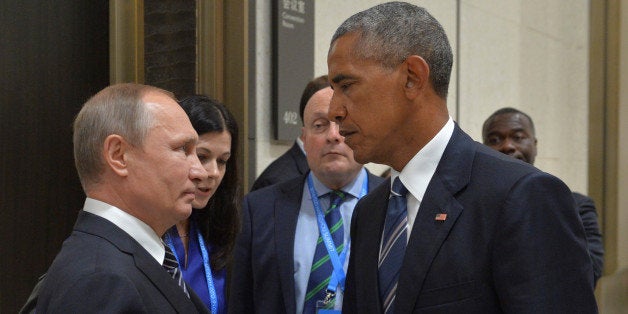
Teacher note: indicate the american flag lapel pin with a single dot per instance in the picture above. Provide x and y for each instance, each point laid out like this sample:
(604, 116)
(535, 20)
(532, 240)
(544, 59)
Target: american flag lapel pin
(441, 217)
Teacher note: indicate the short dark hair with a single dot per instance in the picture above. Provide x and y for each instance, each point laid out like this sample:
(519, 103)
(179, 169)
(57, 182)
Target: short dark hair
(505, 110)
(310, 89)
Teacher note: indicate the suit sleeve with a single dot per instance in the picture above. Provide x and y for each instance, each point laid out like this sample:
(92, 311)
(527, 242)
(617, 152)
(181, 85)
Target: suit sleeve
(241, 294)
(586, 209)
(31, 303)
(539, 257)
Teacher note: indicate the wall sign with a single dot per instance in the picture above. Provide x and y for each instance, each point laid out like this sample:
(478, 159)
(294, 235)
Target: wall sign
(293, 63)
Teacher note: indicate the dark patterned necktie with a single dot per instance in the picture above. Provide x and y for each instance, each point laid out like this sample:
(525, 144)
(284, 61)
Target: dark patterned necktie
(393, 245)
(171, 265)
(322, 267)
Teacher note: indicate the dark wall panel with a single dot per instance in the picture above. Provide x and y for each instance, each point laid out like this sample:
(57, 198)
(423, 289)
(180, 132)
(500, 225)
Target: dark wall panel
(170, 45)
(53, 56)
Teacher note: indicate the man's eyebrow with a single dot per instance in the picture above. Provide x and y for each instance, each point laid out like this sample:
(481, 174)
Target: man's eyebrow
(340, 77)
(190, 141)
(517, 130)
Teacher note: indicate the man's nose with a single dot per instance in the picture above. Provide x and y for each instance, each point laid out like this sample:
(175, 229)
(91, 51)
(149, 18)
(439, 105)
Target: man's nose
(197, 171)
(336, 110)
(333, 133)
(507, 147)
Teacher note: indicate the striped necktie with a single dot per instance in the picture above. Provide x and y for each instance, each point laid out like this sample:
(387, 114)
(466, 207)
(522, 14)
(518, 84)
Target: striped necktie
(393, 245)
(171, 265)
(322, 268)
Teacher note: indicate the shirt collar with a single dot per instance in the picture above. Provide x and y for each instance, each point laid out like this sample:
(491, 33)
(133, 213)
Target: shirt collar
(417, 174)
(137, 229)
(353, 188)
(300, 143)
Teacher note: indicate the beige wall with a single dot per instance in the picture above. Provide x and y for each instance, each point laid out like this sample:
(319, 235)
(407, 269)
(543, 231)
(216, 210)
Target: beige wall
(531, 55)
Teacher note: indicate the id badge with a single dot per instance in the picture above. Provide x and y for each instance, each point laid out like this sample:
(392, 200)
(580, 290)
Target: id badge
(322, 308)
(327, 306)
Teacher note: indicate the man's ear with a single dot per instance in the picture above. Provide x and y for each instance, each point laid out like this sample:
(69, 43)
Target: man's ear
(302, 137)
(417, 76)
(115, 149)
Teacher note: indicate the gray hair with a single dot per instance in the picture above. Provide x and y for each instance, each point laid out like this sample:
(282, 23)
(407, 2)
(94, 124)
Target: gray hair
(117, 109)
(391, 32)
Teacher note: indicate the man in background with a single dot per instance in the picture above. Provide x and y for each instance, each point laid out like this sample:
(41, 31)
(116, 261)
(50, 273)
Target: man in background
(512, 132)
(282, 264)
(292, 163)
(135, 153)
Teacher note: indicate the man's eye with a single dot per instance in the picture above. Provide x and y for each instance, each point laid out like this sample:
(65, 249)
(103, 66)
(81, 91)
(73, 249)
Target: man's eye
(493, 140)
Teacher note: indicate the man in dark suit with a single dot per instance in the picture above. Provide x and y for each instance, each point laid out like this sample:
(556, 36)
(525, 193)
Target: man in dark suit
(465, 229)
(511, 131)
(279, 265)
(135, 152)
(292, 163)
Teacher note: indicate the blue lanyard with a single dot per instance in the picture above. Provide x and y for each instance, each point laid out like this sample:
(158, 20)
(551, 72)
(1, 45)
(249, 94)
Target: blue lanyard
(338, 275)
(213, 297)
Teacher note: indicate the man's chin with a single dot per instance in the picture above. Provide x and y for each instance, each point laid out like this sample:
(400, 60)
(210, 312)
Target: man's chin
(360, 157)
(184, 211)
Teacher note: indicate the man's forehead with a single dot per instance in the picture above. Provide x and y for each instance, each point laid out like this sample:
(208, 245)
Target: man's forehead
(511, 118)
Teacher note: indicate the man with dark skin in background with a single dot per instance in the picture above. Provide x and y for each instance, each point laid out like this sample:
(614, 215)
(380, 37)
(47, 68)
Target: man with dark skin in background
(511, 132)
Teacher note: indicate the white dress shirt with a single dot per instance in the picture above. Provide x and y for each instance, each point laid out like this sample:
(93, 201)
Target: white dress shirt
(418, 173)
(137, 229)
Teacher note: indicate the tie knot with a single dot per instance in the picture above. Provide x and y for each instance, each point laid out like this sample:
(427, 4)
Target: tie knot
(335, 194)
(398, 188)
(335, 198)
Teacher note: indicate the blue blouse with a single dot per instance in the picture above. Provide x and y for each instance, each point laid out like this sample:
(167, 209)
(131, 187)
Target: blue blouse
(194, 271)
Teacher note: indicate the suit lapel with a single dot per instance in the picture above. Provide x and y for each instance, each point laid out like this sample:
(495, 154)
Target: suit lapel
(164, 283)
(286, 214)
(367, 226)
(299, 158)
(374, 181)
(144, 262)
(429, 231)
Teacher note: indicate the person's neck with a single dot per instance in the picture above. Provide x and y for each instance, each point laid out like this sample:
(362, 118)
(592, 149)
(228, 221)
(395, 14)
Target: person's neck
(183, 229)
(337, 182)
(427, 125)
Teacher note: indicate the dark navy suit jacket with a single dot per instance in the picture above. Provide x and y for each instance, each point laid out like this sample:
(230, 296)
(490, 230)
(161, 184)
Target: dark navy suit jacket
(511, 242)
(290, 165)
(588, 215)
(262, 280)
(100, 268)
